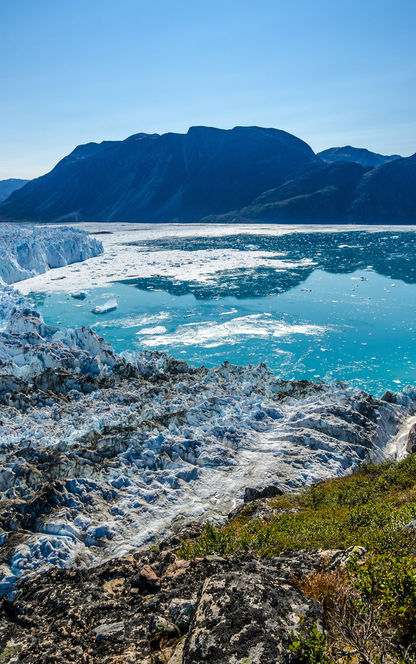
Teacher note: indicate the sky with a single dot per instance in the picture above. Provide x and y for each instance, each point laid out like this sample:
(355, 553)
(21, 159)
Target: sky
(328, 71)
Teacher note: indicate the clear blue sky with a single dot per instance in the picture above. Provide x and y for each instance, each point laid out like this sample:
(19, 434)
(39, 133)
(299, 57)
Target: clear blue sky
(330, 71)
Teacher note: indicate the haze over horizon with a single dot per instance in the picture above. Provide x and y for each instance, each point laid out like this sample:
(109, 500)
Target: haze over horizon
(330, 74)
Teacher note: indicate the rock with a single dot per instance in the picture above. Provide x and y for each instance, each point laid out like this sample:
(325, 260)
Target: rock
(160, 626)
(247, 615)
(104, 630)
(341, 558)
(189, 531)
(146, 581)
(258, 509)
(390, 397)
(269, 491)
(177, 656)
(181, 611)
(411, 526)
(411, 440)
(219, 609)
(177, 568)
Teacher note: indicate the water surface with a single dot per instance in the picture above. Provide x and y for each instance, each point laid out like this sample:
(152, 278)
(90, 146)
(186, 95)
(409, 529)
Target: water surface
(336, 306)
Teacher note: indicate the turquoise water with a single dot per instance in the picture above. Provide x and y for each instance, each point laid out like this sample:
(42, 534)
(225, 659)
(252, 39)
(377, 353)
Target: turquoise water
(343, 318)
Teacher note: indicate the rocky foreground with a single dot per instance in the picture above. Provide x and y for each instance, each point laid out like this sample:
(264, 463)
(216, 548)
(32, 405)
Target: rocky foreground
(323, 576)
(155, 608)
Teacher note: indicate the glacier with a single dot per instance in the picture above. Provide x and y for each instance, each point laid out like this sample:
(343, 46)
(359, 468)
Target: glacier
(28, 250)
(102, 454)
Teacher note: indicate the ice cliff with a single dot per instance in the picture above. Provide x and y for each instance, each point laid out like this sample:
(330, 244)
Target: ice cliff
(29, 250)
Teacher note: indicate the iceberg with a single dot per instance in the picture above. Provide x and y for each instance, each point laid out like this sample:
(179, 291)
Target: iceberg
(105, 308)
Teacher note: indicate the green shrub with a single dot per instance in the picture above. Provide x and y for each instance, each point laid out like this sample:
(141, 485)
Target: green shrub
(310, 649)
(370, 608)
(390, 583)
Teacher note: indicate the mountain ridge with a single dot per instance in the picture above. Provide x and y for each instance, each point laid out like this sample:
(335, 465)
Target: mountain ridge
(210, 174)
(162, 177)
(357, 155)
(7, 187)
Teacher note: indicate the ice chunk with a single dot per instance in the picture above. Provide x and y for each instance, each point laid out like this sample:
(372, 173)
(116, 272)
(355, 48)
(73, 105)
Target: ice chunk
(105, 308)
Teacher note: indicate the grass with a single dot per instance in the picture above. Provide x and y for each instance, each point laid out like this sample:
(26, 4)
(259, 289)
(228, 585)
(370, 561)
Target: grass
(368, 508)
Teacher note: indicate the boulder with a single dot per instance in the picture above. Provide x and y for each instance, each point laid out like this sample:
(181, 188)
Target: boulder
(411, 440)
(269, 491)
(411, 526)
(105, 630)
(247, 615)
(146, 581)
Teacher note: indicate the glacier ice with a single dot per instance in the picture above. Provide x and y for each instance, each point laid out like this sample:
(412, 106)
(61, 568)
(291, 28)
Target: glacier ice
(28, 250)
(101, 454)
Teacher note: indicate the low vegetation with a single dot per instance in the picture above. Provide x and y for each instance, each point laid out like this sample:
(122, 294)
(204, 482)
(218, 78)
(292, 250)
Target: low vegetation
(370, 604)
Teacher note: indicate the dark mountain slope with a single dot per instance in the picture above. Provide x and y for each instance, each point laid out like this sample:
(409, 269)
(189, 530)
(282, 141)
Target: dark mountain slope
(162, 177)
(387, 193)
(321, 194)
(341, 192)
(7, 187)
(357, 155)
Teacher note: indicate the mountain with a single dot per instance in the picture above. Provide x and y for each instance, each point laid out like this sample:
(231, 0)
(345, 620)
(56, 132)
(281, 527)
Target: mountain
(357, 155)
(387, 193)
(167, 177)
(342, 192)
(7, 187)
(211, 174)
(321, 194)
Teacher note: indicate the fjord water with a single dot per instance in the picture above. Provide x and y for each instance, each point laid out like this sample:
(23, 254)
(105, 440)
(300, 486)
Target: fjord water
(343, 306)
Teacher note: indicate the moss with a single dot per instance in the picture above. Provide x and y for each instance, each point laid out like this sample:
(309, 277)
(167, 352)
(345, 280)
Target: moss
(8, 653)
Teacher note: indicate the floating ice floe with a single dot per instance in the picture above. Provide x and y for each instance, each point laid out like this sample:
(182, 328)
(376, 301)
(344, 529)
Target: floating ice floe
(207, 333)
(158, 329)
(105, 308)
